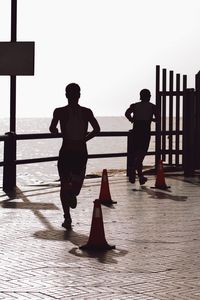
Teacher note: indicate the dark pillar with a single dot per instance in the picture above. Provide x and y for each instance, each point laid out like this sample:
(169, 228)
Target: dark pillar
(189, 132)
(9, 169)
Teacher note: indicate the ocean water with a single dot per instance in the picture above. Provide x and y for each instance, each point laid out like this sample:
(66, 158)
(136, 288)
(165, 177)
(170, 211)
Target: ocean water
(47, 171)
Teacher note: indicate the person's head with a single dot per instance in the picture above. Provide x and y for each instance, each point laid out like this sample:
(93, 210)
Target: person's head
(145, 95)
(73, 92)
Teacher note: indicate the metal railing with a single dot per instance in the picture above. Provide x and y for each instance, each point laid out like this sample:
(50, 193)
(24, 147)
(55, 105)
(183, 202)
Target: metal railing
(20, 137)
(9, 163)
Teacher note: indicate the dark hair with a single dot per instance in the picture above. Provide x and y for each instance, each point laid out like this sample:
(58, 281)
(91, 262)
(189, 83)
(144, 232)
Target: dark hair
(145, 95)
(71, 89)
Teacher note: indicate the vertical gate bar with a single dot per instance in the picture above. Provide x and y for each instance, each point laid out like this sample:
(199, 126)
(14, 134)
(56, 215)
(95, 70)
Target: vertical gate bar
(184, 82)
(177, 119)
(171, 78)
(164, 81)
(183, 110)
(189, 140)
(197, 149)
(158, 123)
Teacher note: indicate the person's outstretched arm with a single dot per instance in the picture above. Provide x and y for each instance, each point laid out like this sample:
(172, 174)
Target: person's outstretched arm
(129, 113)
(95, 125)
(53, 126)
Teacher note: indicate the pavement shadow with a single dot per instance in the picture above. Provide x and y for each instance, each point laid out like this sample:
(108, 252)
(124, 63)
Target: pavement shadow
(61, 235)
(31, 205)
(104, 257)
(158, 194)
(78, 239)
(25, 203)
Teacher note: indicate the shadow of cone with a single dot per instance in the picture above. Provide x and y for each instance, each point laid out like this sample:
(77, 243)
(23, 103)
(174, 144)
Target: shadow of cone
(104, 196)
(97, 240)
(160, 178)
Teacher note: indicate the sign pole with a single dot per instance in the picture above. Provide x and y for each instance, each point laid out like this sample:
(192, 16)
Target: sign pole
(11, 181)
(13, 78)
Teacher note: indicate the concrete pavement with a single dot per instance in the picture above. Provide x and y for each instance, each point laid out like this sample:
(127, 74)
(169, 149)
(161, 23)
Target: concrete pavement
(156, 233)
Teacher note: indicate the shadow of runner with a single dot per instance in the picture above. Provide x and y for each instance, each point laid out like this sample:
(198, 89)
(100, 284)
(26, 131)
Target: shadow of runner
(154, 194)
(61, 235)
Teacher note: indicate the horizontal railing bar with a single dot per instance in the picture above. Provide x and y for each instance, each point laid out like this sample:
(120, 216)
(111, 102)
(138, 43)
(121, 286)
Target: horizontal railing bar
(3, 138)
(101, 134)
(59, 135)
(105, 155)
(53, 158)
(171, 93)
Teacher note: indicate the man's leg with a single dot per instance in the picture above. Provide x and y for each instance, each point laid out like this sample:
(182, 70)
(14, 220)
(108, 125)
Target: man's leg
(64, 197)
(78, 172)
(64, 173)
(142, 151)
(77, 181)
(139, 166)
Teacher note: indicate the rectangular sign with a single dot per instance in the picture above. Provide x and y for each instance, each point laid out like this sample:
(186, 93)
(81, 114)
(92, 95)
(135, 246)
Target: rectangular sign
(17, 58)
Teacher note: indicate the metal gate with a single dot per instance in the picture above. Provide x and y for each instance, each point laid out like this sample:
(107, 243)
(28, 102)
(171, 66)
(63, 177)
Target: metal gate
(178, 128)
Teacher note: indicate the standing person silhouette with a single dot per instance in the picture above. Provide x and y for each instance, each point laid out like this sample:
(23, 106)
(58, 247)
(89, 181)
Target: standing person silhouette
(74, 120)
(141, 114)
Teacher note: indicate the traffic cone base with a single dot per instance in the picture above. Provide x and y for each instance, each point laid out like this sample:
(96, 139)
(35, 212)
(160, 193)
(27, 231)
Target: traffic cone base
(91, 247)
(104, 196)
(164, 187)
(160, 178)
(97, 240)
(108, 202)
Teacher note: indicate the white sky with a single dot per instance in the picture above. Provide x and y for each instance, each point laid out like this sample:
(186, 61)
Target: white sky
(109, 47)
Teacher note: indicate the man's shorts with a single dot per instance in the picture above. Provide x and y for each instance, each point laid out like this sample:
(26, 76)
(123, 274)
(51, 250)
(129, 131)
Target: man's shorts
(72, 163)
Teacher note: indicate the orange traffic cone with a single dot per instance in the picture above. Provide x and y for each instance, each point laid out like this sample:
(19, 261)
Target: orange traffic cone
(160, 178)
(104, 196)
(97, 239)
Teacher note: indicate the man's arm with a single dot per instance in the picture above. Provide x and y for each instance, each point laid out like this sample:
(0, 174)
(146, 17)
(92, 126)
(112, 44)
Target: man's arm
(128, 113)
(53, 126)
(95, 125)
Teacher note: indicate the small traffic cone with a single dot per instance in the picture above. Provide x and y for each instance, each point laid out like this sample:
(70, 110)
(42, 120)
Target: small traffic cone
(104, 196)
(160, 178)
(97, 240)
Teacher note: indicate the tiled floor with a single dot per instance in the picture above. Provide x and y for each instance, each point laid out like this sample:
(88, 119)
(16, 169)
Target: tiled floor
(156, 234)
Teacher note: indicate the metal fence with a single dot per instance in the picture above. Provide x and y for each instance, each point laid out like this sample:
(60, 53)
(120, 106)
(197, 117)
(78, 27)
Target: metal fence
(9, 163)
(178, 130)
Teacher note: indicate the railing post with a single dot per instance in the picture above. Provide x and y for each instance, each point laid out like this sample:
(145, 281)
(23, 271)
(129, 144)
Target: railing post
(189, 132)
(9, 169)
(130, 153)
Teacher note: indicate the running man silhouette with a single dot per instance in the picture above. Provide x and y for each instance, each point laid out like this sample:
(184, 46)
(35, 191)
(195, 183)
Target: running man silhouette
(74, 120)
(141, 114)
